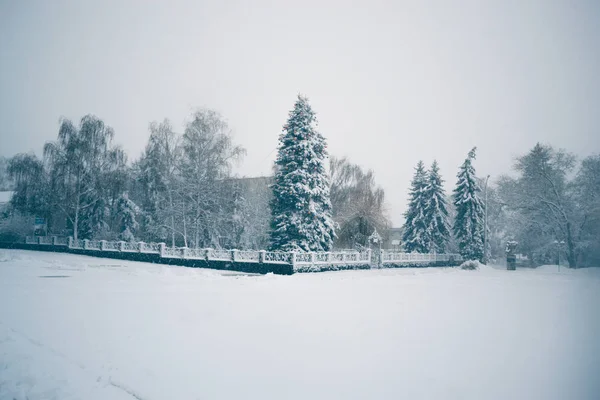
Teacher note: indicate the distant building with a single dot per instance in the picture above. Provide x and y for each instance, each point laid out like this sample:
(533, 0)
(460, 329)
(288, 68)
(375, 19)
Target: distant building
(5, 200)
(394, 239)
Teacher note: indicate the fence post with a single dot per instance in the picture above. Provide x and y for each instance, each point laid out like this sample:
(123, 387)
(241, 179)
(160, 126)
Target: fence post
(261, 256)
(121, 245)
(141, 244)
(54, 240)
(85, 244)
(369, 257)
(293, 259)
(233, 255)
(70, 242)
(312, 258)
(184, 252)
(102, 245)
(380, 261)
(161, 249)
(328, 257)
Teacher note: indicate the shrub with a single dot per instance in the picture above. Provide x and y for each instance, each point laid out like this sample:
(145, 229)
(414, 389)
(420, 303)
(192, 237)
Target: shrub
(470, 265)
(14, 228)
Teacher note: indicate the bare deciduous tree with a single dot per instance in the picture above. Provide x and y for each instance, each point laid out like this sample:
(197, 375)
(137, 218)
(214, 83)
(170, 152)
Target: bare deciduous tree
(76, 163)
(358, 204)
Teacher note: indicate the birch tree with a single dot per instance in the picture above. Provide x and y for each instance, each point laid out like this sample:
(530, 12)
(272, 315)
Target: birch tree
(207, 156)
(158, 171)
(76, 162)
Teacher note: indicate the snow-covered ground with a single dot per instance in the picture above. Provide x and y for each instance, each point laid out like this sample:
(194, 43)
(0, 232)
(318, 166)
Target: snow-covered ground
(76, 327)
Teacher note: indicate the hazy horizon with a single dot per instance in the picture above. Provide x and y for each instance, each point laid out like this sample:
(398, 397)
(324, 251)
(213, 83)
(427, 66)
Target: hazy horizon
(391, 82)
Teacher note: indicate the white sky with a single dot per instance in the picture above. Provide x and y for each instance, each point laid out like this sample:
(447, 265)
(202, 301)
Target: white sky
(392, 82)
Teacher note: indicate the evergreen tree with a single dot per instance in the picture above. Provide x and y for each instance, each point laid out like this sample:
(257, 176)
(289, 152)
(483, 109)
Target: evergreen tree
(415, 236)
(301, 206)
(468, 223)
(127, 211)
(436, 211)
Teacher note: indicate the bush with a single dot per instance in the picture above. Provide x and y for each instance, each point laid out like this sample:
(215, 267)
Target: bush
(470, 265)
(14, 228)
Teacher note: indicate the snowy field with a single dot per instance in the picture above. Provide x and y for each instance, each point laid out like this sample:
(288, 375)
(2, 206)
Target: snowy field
(76, 327)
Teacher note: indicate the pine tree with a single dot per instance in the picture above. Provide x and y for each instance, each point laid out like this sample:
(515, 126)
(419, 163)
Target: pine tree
(468, 223)
(301, 207)
(415, 237)
(436, 212)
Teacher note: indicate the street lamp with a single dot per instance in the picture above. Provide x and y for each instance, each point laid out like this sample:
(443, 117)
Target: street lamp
(558, 247)
(376, 238)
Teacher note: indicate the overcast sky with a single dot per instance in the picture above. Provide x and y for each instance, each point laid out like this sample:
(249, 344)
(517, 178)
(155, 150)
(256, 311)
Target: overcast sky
(392, 81)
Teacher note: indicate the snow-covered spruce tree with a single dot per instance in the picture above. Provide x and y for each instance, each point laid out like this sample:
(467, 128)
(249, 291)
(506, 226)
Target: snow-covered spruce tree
(436, 211)
(127, 211)
(301, 207)
(468, 223)
(414, 237)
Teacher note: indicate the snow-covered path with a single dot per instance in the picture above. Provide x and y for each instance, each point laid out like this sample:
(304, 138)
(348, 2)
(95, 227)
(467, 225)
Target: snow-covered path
(75, 327)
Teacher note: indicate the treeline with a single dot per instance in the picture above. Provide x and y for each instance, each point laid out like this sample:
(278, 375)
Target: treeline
(180, 191)
(550, 207)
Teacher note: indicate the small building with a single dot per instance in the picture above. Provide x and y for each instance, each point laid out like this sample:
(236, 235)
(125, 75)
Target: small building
(5, 197)
(393, 240)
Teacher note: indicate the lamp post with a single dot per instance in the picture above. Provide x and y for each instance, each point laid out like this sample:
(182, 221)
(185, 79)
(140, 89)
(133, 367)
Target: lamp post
(485, 224)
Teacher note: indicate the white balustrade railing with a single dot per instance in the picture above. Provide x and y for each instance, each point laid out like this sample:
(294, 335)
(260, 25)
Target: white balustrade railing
(111, 246)
(94, 245)
(351, 257)
(302, 259)
(195, 254)
(172, 252)
(277, 257)
(365, 256)
(337, 258)
(340, 257)
(393, 257)
(150, 247)
(322, 258)
(45, 239)
(131, 246)
(62, 241)
(247, 256)
(219, 255)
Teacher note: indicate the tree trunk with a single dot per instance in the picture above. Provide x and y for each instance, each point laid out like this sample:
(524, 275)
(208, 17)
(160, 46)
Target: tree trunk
(571, 248)
(78, 199)
(76, 222)
(172, 219)
(185, 243)
(197, 234)
(172, 231)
